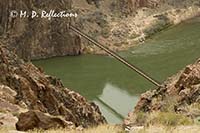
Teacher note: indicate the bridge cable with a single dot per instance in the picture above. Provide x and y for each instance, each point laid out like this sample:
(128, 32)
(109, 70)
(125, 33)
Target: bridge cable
(116, 56)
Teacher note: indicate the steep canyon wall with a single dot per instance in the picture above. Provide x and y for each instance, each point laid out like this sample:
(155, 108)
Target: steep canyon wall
(37, 38)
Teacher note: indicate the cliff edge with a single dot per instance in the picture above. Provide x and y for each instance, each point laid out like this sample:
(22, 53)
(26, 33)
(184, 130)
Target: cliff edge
(176, 102)
(37, 100)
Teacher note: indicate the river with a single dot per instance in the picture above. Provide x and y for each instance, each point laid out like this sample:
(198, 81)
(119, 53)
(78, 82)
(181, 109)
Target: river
(116, 88)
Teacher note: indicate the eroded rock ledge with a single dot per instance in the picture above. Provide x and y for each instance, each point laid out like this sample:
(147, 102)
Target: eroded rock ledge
(180, 94)
(23, 87)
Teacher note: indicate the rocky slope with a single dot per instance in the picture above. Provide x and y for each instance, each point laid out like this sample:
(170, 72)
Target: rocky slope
(180, 94)
(120, 24)
(42, 100)
(37, 38)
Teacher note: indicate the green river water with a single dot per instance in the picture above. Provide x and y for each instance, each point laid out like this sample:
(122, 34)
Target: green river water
(116, 88)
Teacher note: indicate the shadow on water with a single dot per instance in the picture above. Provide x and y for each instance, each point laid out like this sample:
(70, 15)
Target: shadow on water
(120, 109)
(114, 87)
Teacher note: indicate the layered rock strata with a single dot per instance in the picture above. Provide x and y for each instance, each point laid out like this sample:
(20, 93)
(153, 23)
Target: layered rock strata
(24, 87)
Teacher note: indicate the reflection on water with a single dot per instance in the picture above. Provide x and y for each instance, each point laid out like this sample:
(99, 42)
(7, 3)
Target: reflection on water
(125, 102)
(114, 87)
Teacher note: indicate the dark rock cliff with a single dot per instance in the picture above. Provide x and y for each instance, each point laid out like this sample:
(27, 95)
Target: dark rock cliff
(37, 38)
(23, 86)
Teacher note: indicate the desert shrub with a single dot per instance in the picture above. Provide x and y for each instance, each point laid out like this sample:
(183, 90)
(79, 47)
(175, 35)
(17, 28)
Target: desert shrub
(105, 32)
(169, 104)
(195, 106)
(133, 36)
(169, 119)
(98, 129)
(141, 118)
(160, 24)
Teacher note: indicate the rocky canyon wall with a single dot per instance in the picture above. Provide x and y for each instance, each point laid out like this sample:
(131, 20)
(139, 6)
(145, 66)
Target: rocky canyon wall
(37, 38)
(129, 7)
(121, 24)
(39, 100)
(179, 95)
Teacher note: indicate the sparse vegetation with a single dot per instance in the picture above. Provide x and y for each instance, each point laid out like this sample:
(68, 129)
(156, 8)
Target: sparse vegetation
(105, 32)
(133, 35)
(169, 104)
(163, 129)
(99, 129)
(118, 129)
(168, 119)
(158, 26)
(141, 117)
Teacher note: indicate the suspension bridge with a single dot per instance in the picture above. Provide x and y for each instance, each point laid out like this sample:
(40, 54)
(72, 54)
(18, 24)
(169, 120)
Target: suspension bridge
(116, 56)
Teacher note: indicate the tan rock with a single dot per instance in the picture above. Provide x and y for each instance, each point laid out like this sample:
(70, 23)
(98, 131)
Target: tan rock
(6, 106)
(7, 120)
(36, 119)
(37, 91)
(7, 93)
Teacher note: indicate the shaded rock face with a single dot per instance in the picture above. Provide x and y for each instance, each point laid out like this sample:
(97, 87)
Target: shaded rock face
(148, 3)
(37, 119)
(37, 91)
(178, 94)
(96, 2)
(129, 7)
(38, 38)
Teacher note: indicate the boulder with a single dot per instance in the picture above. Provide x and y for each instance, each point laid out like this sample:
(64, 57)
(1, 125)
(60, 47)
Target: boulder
(7, 120)
(36, 119)
(7, 93)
